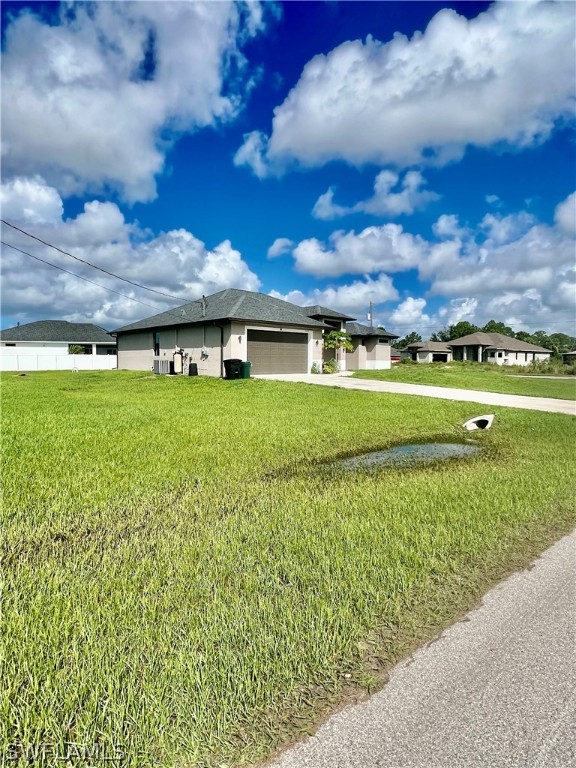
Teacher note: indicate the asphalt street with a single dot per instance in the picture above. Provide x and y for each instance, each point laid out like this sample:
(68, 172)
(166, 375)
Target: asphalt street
(496, 690)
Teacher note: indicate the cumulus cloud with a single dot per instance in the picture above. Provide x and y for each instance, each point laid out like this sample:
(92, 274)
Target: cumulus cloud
(279, 247)
(384, 201)
(352, 299)
(459, 83)
(565, 215)
(375, 249)
(94, 100)
(30, 200)
(515, 256)
(174, 262)
(410, 313)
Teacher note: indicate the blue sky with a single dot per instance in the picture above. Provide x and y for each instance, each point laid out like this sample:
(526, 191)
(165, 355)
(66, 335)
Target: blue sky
(417, 155)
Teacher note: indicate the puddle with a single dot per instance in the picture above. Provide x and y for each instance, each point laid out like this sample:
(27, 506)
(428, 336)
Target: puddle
(408, 455)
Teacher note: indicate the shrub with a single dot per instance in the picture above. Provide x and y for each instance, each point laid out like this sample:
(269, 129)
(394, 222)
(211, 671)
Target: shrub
(330, 367)
(406, 361)
(316, 368)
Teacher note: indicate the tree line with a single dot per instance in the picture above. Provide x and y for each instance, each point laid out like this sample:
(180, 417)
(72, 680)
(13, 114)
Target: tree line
(558, 343)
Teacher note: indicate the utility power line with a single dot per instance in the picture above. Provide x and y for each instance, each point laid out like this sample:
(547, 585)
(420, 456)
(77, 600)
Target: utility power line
(94, 266)
(86, 280)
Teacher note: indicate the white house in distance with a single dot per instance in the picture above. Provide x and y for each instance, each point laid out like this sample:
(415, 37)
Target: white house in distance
(478, 347)
(276, 336)
(45, 346)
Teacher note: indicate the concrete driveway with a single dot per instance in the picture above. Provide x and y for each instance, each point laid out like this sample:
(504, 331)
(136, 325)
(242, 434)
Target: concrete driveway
(497, 690)
(444, 393)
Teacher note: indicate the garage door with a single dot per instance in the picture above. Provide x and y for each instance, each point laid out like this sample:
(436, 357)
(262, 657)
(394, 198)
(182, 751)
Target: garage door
(278, 352)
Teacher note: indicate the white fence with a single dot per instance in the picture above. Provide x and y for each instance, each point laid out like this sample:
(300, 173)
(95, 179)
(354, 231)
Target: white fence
(31, 362)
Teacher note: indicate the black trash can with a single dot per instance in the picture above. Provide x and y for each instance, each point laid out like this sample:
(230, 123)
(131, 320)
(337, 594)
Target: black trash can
(193, 369)
(233, 368)
(245, 366)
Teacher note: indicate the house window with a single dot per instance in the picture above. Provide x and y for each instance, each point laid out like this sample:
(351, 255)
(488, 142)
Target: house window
(382, 341)
(10, 344)
(156, 342)
(500, 354)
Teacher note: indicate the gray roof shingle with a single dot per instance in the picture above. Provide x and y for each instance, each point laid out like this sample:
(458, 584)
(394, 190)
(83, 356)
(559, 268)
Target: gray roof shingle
(358, 329)
(230, 304)
(428, 346)
(320, 311)
(496, 341)
(58, 330)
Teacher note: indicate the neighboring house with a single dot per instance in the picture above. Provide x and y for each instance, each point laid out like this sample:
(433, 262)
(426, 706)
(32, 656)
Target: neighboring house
(428, 352)
(45, 346)
(395, 355)
(569, 358)
(477, 347)
(274, 335)
(371, 348)
(496, 348)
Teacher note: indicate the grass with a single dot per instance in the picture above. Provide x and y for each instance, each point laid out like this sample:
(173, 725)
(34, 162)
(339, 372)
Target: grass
(485, 377)
(182, 578)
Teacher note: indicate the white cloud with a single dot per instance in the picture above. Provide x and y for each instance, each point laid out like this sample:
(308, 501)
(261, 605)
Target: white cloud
(173, 262)
(352, 299)
(492, 199)
(565, 215)
(31, 200)
(461, 82)
(375, 249)
(410, 313)
(279, 247)
(93, 101)
(457, 310)
(384, 201)
(505, 229)
(448, 226)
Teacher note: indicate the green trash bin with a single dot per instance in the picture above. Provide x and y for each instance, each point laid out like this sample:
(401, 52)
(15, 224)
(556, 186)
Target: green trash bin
(245, 369)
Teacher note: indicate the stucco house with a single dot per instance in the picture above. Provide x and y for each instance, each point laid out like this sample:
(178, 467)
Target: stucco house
(276, 336)
(428, 352)
(569, 358)
(372, 350)
(477, 347)
(45, 345)
(496, 348)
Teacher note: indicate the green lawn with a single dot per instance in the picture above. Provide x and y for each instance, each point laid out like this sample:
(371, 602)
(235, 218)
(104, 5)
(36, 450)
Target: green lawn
(488, 378)
(182, 578)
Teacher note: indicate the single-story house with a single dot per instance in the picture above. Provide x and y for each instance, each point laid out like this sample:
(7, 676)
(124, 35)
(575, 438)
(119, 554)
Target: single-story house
(274, 335)
(496, 348)
(569, 358)
(371, 348)
(428, 352)
(477, 347)
(48, 345)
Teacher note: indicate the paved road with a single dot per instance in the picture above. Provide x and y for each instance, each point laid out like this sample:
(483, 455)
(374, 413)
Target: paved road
(496, 690)
(445, 393)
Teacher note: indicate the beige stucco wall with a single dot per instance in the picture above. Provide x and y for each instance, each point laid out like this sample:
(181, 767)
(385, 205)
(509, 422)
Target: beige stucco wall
(135, 351)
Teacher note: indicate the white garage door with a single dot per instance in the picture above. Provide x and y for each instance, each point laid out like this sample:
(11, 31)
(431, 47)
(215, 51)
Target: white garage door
(278, 352)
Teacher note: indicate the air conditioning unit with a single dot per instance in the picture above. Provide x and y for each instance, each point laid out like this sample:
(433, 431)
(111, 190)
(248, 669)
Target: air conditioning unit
(161, 365)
